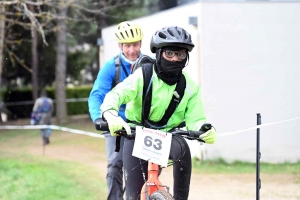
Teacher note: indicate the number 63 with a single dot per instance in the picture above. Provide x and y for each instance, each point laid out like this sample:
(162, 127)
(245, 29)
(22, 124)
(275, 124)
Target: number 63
(157, 142)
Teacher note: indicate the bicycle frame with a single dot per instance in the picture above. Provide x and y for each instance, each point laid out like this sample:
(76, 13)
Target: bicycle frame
(153, 183)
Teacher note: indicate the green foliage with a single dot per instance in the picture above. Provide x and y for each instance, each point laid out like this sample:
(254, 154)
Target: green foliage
(78, 60)
(237, 167)
(46, 60)
(25, 94)
(82, 48)
(82, 33)
(75, 108)
(128, 12)
(2, 92)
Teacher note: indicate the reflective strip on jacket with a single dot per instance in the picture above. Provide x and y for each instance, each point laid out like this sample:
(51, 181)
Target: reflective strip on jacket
(130, 91)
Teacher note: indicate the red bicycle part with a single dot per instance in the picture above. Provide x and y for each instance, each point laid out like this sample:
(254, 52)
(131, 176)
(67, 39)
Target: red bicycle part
(153, 182)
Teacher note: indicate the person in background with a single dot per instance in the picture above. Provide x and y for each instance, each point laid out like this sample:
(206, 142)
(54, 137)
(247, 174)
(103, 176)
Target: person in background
(129, 37)
(42, 114)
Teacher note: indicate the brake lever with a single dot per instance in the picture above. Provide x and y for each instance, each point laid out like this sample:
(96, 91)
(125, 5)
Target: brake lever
(124, 133)
(121, 132)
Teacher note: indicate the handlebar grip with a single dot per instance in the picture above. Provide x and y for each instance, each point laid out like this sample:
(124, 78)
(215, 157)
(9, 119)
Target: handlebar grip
(101, 126)
(196, 134)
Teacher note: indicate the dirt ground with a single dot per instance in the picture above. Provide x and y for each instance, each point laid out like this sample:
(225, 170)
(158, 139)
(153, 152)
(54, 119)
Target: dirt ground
(203, 186)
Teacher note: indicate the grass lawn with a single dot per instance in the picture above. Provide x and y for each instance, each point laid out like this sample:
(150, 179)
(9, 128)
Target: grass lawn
(29, 178)
(237, 167)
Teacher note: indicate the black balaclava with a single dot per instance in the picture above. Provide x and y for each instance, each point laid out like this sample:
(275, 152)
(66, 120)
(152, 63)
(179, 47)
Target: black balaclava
(168, 71)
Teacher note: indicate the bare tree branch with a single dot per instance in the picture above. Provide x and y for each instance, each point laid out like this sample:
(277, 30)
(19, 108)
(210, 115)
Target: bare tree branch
(99, 11)
(105, 5)
(37, 3)
(9, 2)
(18, 22)
(34, 21)
(21, 62)
(7, 41)
(17, 14)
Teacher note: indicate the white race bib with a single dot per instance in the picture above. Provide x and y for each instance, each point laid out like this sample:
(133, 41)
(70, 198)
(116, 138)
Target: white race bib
(152, 145)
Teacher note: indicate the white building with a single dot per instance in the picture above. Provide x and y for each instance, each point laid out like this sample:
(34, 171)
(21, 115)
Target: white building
(247, 61)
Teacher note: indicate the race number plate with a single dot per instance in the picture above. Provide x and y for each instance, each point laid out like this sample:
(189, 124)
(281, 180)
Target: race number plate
(152, 145)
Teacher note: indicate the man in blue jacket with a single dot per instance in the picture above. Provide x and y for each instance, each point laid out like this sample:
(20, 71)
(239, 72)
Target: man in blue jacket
(129, 37)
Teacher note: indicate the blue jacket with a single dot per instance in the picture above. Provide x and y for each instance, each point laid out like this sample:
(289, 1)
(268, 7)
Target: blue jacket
(103, 84)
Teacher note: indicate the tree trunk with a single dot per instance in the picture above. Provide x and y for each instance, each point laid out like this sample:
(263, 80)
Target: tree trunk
(34, 59)
(101, 23)
(60, 76)
(2, 29)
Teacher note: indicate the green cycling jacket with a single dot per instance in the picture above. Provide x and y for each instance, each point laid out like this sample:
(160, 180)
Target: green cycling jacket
(130, 92)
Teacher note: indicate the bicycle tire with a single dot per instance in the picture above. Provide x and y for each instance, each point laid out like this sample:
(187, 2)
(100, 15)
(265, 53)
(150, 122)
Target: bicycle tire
(161, 195)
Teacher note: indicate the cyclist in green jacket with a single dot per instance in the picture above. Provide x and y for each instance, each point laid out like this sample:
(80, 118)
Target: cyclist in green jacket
(172, 46)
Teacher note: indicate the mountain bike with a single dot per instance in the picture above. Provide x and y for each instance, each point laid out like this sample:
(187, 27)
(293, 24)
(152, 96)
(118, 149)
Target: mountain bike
(153, 189)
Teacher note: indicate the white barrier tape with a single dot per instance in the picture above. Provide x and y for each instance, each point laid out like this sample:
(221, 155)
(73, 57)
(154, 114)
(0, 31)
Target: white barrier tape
(54, 128)
(18, 103)
(255, 127)
(101, 136)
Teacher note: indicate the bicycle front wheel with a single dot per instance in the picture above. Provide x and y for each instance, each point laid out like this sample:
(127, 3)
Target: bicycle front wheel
(161, 195)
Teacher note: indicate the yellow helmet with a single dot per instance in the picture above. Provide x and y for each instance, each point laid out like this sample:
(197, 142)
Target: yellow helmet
(128, 32)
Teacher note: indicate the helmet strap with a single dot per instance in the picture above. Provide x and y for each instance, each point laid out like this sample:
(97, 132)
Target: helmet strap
(188, 59)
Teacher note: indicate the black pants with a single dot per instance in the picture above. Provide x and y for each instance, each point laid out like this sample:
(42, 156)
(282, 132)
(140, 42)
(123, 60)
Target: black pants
(181, 170)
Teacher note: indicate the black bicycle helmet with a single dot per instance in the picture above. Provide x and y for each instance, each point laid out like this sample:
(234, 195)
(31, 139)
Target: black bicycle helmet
(171, 36)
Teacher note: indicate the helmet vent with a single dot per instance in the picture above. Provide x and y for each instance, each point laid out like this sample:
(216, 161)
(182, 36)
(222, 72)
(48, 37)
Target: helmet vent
(185, 36)
(161, 35)
(117, 36)
(170, 32)
(179, 32)
(132, 32)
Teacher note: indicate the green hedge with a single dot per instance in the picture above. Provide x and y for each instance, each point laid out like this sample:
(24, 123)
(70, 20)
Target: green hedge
(23, 111)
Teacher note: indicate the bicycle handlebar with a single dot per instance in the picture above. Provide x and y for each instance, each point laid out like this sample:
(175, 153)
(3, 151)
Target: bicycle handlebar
(192, 135)
(101, 126)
